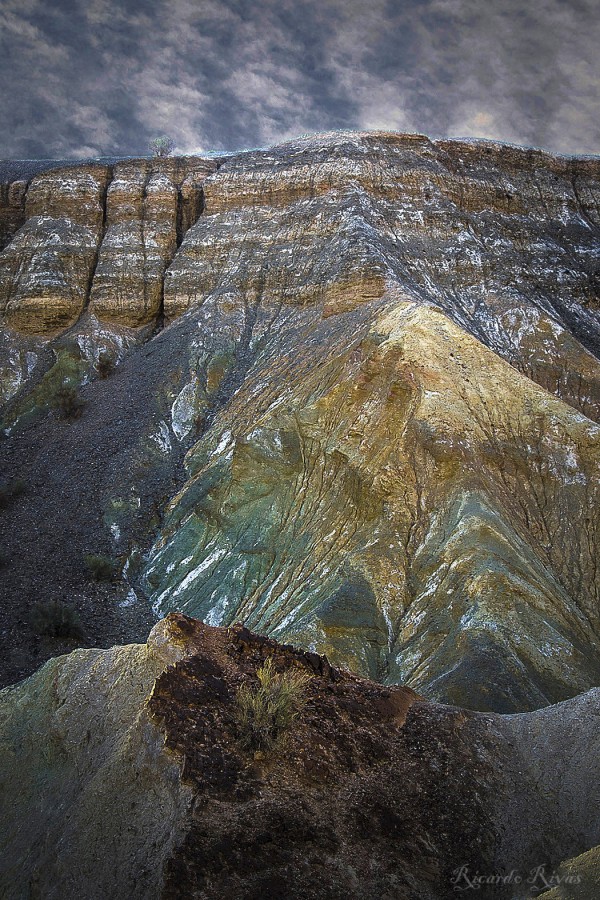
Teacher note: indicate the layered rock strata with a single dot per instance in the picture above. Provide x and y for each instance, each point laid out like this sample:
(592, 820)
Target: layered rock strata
(504, 240)
(149, 207)
(381, 363)
(47, 268)
(95, 232)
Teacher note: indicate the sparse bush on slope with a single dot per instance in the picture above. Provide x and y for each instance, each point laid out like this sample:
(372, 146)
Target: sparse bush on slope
(59, 388)
(100, 568)
(265, 712)
(56, 619)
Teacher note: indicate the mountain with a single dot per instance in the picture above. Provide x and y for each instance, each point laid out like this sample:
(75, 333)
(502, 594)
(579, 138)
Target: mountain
(345, 390)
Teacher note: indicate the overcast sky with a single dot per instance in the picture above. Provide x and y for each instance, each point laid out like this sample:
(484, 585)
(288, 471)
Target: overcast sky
(102, 77)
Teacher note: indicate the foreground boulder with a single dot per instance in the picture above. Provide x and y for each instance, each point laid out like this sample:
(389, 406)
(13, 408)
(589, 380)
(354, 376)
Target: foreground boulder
(123, 775)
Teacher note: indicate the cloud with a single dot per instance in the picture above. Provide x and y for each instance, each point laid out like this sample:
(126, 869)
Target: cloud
(105, 76)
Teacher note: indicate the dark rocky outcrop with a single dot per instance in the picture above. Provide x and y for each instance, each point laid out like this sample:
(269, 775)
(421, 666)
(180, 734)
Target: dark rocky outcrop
(140, 786)
(12, 209)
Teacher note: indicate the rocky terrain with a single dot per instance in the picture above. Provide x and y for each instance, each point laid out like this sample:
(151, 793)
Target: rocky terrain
(334, 404)
(140, 788)
(344, 390)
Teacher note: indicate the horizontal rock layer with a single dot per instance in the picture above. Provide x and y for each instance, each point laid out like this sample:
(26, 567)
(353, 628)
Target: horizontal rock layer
(148, 209)
(98, 236)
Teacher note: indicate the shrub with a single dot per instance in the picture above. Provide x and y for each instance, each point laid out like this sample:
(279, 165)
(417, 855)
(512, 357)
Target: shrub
(105, 365)
(57, 390)
(161, 146)
(59, 387)
(56, 619)
(101, 568)
(265, 712)
(68, 402)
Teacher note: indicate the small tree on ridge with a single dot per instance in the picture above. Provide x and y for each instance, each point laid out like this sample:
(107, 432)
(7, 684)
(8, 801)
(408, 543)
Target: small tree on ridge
(161, 146)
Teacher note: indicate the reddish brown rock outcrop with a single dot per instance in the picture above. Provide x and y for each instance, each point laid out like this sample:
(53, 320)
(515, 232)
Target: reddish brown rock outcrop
(134, 782)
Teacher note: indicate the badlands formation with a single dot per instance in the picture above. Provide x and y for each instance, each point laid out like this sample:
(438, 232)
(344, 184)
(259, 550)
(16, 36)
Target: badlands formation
(341, 394)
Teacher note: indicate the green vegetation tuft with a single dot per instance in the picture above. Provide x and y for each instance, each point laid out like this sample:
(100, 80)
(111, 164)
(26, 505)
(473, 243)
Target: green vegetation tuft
(100, 568)
(58, 390)
(11, 490)
(264, 713)
(67, 371)
(56, 619)
(105, 365)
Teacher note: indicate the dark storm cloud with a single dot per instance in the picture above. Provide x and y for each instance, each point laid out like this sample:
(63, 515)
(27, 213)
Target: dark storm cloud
(103, 76)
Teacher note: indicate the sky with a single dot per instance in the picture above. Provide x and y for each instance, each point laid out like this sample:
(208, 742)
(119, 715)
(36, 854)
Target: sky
(83, 78)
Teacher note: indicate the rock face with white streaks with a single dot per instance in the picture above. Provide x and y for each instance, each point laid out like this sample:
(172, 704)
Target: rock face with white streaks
(149, 206)
(503, 240)
(95, 234)
(46, 270)
(356, 403)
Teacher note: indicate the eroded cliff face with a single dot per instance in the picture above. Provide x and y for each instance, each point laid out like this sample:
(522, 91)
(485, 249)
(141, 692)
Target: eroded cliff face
(134, 782)
(96, 235)
(355, 405)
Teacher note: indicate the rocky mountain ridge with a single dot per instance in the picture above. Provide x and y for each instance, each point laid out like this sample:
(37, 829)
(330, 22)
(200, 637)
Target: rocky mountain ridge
(353, 402)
